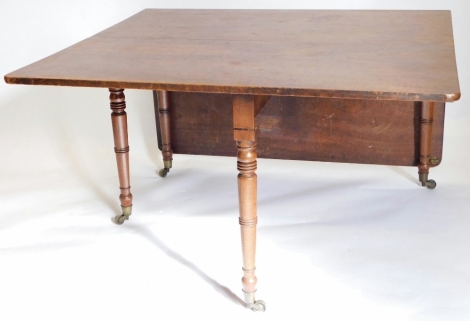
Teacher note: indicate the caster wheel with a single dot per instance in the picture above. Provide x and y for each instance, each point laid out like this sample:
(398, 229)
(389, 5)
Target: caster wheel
(163, 172)
(258, 306)
(120, 219)
(431, 184)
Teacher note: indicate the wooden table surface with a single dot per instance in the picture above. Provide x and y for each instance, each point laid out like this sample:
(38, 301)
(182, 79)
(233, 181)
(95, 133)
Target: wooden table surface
(399, 55)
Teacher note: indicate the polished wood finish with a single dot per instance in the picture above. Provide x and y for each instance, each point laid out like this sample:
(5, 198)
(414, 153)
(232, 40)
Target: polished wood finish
(244, 135)
(345, 54)
(426, 127)
(121, 145)
(163, 99)
(157, 120)
(305, 128)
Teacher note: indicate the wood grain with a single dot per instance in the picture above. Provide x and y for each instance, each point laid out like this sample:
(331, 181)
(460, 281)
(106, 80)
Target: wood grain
(397, 55)
(305, 128)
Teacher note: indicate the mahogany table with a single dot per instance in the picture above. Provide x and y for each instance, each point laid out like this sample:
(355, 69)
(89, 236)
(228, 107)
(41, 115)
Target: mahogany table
(341, 86)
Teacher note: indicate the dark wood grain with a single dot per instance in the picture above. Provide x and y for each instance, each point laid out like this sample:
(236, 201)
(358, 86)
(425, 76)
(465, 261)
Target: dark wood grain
(397, 55)
(303, 128)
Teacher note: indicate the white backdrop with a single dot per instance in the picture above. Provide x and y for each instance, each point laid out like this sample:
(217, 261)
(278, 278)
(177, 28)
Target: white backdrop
(336, 241)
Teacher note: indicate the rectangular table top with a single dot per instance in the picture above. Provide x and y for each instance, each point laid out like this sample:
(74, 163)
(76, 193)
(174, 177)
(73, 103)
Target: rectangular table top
(398, 55)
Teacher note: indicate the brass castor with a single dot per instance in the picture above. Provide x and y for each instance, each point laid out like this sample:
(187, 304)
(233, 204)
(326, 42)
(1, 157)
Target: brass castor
(163, 172)
(430, 184)
(120, 219)
(167, 165)
(258, 306)
(425, 182)
(126, 212)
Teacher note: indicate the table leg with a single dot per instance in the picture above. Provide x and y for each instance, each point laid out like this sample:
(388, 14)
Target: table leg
(163, 102)
(121, 147)
(425, 123)
(244, 134)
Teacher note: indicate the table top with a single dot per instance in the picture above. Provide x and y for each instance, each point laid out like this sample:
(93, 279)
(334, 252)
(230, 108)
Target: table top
(397, 55)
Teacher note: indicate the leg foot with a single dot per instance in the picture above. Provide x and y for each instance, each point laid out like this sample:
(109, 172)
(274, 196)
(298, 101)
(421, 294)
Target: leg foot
(257, 306)
(126, 212)
(425, 182)
(166, 170)
(163, 172)
(431, 184)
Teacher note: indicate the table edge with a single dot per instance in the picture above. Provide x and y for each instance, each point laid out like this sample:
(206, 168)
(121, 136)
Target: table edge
(300, 92)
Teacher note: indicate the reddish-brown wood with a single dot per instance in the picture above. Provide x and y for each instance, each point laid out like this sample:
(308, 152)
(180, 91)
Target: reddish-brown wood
(426, 127)
(322, 53)
(247, 194)
(260, 101)
(121, 146)
(157, 120)
(163, 99)
(243, 127)
(244, 113)
(316, 129)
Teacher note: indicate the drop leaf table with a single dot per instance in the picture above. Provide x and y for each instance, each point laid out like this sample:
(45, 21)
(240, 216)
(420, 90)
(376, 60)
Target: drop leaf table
(337, 86)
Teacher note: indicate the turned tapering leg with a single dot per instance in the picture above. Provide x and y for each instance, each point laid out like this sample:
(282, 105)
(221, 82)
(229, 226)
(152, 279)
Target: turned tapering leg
(244, 134)
(163, 99)
(121, 147)
(247, 197)
(425, 123)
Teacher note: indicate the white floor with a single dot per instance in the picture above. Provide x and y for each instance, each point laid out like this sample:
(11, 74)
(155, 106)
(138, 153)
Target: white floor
(335, 241)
